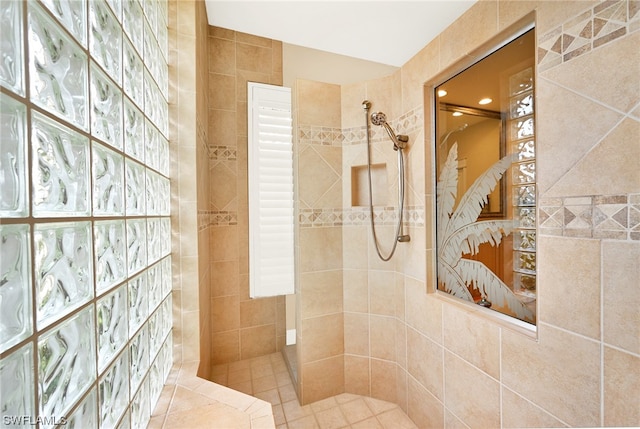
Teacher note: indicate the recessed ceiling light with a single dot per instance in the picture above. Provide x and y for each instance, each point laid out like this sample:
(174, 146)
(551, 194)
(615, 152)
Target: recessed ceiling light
(485, 101)
(457, 114)
(442, 93)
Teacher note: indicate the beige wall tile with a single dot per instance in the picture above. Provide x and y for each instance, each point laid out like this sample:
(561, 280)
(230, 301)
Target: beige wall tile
(356, 375)
(561, 116)
(222, 91)
(355, 290)
(621, 388)
(383, 380)
(517, 412)
(472, 396)
(424, 312)
(259, 311)
(382, 292)
(322, 337)
(257, 341)
(221, 129)
(224, 279)
(424, 362)
(560, 373)
(416, 72)
(356, 334)
(222, 56)
(383, 337)
(473, 339)
(322, 293)
(569, 276)
(253, 57)
(621, 294)
(320, 249)
(318, 104)
(353, 95)
(322, 379)
(225, 313)
(224, 243)
(354, 239)
(423, 408)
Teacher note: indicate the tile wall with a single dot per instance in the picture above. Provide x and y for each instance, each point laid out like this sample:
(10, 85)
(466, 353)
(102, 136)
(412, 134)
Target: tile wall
(238, 327)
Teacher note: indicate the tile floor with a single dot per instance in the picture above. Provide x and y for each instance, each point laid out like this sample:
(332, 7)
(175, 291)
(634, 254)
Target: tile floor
(267, 378)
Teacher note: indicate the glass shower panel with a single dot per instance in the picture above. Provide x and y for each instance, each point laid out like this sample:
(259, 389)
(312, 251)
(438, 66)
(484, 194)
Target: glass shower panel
(11, 50)
(63, 269)
(58, 70)
(13, 158)
(15, 288)
(66, 363)
(60, 169)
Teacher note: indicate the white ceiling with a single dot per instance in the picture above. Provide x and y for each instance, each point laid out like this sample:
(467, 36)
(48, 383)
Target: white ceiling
(387, 32)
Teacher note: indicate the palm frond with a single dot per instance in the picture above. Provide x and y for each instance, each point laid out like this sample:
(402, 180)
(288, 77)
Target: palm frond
(447, 189)
(491, 287)
(475, 197)
(471, 236)
(452, 281)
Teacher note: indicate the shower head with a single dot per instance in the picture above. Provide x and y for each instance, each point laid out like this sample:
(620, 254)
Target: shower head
(378, 118)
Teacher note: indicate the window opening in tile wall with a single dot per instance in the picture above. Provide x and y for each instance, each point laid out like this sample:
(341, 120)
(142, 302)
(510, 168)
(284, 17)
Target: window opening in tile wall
(85, 232)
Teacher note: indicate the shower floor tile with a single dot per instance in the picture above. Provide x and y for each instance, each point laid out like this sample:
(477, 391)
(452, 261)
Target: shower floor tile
(267, 378)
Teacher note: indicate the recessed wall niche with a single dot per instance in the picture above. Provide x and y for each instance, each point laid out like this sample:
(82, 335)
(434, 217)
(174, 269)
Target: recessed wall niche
(360, 185)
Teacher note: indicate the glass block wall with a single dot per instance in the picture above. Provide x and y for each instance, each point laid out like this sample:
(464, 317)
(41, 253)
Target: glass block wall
(85, 232)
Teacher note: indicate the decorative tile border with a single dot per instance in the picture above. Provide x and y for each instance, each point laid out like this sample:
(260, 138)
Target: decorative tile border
(323, 136)
(596, 27)
(223, 153)
(613, 217)
(208, 218)
(355, 216)
(406, 124)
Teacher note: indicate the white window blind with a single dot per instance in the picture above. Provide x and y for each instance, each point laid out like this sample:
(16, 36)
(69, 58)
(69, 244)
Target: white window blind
(271, 211)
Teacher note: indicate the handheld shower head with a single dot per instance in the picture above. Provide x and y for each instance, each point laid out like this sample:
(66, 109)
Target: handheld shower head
(378, 118)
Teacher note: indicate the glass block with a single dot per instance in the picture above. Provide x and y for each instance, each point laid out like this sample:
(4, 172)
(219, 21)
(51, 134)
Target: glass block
(133, 132)
(525, 217)
(16, 386)
(165, 265)
(151, 13)
(106, 109)
(136, 245)
(13, 157)
(72, 15)
(113, 331)
(154, 240)
(153, 192)
(108, 181)
(110, 253)
(60, 169)
(522, 129)
(164, 196)
(524, 262)
(164, 155)
(154, 283)
(155, 332)
(135, 189)
(133, 73)
(155, 379)
(139, 353)
(522, 105)
(113, 392)
(116, 7)
(125, 423)
(140, 407)
(131, 22)
(526, 150)
(11, 48)
(524, 281)
(163, 34)
(524, 172)
(521, 82)
(524, 240)
(86, 415)
(152, 144)
(67, 363)
(138, 302)
(167, 316)
(525, 196)
(63, 269)
(58, 69)
(167, 356)
(152, 100)
(105, 39)
(15, 286)
(165, 233)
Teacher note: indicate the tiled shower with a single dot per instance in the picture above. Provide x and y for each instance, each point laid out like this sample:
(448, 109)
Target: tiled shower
(86, 313)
